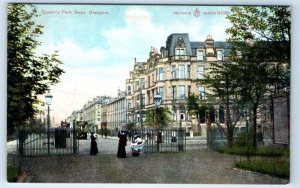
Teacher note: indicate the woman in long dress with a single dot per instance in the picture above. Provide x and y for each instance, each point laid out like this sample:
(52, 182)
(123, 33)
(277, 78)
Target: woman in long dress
(94, 147)
(122, 144)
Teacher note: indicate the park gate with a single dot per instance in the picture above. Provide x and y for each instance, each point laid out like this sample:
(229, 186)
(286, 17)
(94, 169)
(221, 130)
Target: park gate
(44, 142)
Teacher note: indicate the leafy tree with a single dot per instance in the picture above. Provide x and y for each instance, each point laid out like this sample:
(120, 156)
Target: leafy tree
(164, 114)
(260, 38)
(28, 75)
(223, 82)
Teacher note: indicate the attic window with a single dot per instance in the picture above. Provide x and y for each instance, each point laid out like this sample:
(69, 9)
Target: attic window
(180, 51)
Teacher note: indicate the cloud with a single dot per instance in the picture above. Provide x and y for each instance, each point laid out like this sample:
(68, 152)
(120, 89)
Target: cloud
(102, 70)
(72, 54)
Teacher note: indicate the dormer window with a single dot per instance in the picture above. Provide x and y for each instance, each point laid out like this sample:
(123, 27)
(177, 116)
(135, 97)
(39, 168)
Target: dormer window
(180, 51)
(200, 55)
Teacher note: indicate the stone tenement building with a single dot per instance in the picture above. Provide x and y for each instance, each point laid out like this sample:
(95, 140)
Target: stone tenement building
(172, 73)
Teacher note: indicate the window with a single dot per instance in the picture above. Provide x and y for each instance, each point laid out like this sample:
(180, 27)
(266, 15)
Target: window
(129, 102)
(180, 51)
(173, 71)
(143, 99)
(201, 92)
(219, 55)
(189, 71)
(161, 73)
(129, 90)
(148, 81)
(161, 92)
(182, 114)
(201, 72)
(142, 83)
(181, 71)
(174, 92)
(181, 92)
(200, 55)
(174, 115)
(137, 85)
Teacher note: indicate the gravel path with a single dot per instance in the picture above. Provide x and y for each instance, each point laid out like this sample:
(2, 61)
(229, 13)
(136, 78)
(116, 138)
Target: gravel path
(191, 167)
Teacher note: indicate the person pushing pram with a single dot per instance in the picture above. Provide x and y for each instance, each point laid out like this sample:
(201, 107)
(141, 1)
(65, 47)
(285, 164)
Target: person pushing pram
(137, 146)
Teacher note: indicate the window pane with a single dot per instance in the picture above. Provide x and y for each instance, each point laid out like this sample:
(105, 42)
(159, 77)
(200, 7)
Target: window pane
(201, 92)
(181, 92)
(200, 55)
(173, 71)
(201, 72)
(181, 71)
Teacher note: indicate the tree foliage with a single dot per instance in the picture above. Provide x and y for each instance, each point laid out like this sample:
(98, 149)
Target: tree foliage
(223, 81)
(28, 75)
(260, 39)
(164, 116)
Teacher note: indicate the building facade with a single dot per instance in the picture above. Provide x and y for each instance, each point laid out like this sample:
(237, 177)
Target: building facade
(91, 112)
(172, 73)
(116, 112)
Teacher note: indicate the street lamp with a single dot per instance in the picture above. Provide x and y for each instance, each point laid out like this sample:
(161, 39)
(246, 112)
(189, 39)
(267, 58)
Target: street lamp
(48, 100)
(157, 101)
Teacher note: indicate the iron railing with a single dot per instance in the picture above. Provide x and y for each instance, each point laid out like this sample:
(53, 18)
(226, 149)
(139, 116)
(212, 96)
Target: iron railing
(43, 142)
(168, 140)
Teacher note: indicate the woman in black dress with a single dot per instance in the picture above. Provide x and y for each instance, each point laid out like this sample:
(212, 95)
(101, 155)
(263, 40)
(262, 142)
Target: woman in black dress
(122, 144)
(94, 147)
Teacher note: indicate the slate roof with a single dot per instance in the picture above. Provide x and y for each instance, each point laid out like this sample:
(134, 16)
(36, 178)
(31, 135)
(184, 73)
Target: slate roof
(172, 42)
(192, 45)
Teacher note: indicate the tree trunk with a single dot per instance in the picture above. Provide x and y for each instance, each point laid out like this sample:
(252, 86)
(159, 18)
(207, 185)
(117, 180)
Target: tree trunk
(254, 110)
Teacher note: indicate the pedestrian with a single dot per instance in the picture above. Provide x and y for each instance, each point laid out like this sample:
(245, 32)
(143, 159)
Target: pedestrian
(122, 144)
(94, 147)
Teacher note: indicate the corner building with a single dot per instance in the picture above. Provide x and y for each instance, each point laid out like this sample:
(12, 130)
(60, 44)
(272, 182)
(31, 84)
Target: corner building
(173, 73)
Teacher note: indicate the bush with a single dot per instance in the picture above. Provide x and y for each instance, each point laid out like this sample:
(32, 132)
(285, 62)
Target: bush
(12, 174)
(262, 151)
(243, 139)
(276, 168)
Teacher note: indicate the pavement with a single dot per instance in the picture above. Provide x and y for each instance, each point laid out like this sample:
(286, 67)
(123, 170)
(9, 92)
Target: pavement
(195, 166)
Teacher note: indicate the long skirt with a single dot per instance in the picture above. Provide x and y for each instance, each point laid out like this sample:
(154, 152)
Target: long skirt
(94, 148)
(121, 151)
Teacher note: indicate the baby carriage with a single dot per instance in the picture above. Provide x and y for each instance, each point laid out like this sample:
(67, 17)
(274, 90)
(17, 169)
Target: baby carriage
(137, 147)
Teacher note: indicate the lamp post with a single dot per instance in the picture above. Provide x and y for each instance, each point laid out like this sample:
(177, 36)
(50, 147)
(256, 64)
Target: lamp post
(48, 100)
(157, 101)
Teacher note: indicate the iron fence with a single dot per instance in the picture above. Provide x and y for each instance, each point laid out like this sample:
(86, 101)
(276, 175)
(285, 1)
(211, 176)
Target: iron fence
(168, 140)
(42, 142)
(216, 138)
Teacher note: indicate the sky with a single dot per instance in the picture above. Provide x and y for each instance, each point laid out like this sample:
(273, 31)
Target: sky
(98, 43)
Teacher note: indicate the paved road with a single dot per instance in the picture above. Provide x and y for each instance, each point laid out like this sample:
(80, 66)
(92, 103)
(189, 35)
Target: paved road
(195, 166)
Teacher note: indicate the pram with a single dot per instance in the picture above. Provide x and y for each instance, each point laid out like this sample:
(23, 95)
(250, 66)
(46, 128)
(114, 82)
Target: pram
(137, 147)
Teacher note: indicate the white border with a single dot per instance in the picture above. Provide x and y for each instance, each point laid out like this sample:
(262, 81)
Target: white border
(295, 102)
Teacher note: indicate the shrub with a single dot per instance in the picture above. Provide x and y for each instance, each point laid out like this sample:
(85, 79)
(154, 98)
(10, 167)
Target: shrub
(243, 139)
(12, 174)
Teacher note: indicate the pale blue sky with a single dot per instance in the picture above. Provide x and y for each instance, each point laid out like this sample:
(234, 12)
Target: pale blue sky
(98, 50)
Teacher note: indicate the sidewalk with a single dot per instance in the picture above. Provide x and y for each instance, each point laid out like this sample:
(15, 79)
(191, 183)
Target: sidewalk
(191, 167)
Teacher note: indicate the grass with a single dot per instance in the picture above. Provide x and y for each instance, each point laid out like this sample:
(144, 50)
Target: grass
(279, 168)
(12, 174)
(262, 151)
(271, 167)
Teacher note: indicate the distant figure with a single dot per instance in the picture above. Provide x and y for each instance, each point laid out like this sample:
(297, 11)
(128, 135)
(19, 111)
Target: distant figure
(105, 132)
(94, 147)
(122, 144)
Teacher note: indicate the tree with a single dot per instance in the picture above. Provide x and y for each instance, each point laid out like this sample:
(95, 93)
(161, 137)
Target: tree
(223, 82)
(260, 39)
(165, 117)
(28, 75)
